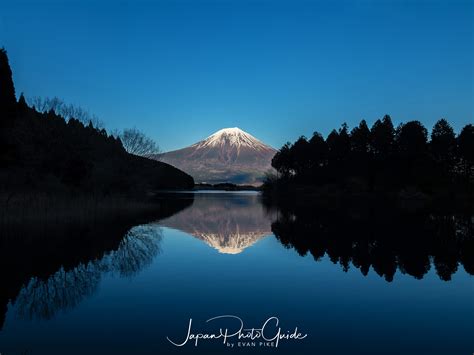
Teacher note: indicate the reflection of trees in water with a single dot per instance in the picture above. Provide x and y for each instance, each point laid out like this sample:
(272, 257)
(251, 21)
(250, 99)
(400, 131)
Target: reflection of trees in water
(66, 289)
(136, 250)
(385, 240)
(63, 290)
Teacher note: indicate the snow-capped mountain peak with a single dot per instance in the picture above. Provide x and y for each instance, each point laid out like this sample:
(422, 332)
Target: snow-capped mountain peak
(228, 155)
(232, 137)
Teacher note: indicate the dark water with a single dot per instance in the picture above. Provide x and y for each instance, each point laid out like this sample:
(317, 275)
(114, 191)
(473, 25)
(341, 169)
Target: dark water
(353, 282)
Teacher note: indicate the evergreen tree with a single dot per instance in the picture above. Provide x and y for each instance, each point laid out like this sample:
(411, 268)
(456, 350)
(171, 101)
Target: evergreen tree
(360, 138)
(319, 150)
(382, 136)
(7, 89)
(22, 105)
(412, 139)
(301, 156)
(332, 142)
(443, 144)
(282, 161)
(338, 144)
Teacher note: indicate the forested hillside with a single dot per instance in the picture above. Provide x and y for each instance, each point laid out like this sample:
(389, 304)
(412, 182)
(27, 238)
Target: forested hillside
(44, 152)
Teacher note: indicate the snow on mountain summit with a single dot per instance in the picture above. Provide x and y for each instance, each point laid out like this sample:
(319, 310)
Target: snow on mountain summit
(228, 155)
(233, 137)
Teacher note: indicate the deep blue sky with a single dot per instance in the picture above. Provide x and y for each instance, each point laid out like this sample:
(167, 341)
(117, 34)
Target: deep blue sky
(180, 70)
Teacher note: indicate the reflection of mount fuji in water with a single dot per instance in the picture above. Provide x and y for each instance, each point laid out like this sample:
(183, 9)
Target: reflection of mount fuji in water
(229, 225)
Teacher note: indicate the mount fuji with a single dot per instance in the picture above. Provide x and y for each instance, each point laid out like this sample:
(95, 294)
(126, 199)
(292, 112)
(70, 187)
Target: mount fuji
(228, 155)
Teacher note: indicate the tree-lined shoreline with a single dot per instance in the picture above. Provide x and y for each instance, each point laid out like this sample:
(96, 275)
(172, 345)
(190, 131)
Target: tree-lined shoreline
(381, 160)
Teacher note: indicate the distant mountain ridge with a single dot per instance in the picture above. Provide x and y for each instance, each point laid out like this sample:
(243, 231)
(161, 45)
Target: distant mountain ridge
(228, 155)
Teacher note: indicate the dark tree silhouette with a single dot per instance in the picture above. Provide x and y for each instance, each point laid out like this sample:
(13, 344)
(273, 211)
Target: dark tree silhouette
(382, 236)
(59, 149)
(64, 290)
(382, 135)
(137, 143)
(443, 145)
(411, 138)
(301, 155)
(318, 151)
(7, 89)
(332, 142)
(466, 150)
(339, 144)
(22, 105)
(443, 140)
(67, 111)
(379, 160)
(281, 161)
(360, 139)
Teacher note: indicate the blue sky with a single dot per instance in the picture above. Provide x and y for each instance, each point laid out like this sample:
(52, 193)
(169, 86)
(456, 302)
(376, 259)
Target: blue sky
(180, 70)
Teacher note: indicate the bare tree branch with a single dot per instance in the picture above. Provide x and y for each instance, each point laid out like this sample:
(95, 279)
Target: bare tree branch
(67, 111)
(137, 143)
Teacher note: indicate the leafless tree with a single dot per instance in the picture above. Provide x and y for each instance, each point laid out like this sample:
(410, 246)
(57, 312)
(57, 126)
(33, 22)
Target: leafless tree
(137, 143)
(65, 110)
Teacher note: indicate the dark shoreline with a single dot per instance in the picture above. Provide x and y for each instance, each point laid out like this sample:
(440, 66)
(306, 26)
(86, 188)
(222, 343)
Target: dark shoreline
(226, 187)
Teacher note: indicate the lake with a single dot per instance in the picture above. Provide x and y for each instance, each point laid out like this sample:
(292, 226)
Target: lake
(353, 282)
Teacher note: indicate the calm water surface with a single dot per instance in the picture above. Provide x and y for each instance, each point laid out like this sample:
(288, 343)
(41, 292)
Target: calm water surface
(219, 256)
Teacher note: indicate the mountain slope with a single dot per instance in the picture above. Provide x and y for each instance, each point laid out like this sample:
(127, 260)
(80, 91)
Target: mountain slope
(229, 155)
